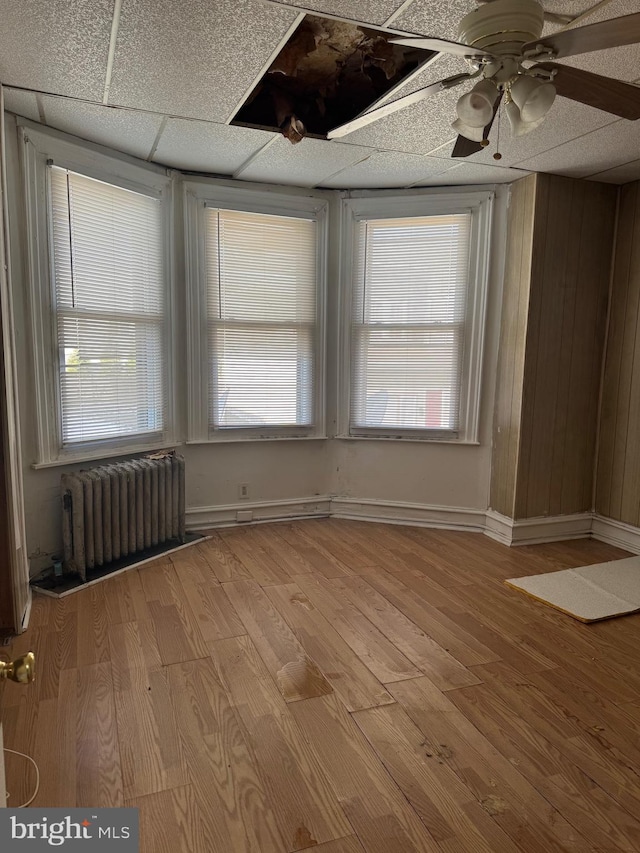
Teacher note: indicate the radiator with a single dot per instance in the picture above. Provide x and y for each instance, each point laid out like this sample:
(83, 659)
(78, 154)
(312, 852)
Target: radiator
(116, 511)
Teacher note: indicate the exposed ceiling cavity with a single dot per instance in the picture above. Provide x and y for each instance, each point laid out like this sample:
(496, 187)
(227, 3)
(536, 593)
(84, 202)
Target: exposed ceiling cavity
(328, 72)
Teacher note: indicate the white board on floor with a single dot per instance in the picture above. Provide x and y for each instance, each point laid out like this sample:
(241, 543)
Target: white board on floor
(588, 593)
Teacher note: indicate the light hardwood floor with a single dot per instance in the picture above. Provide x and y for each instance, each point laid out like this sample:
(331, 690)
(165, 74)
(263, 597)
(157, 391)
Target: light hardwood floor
(339, 685)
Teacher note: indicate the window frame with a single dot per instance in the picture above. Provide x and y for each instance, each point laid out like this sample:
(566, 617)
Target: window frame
(40, 150)
(197, 197)
(359, 206)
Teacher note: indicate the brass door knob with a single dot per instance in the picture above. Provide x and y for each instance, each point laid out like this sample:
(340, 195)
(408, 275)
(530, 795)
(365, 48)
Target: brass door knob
(22, 669)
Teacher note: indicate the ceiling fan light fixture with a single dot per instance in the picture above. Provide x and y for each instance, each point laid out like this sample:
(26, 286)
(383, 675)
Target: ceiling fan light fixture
(475, 134)
(475, 108)
(519, 127)
(533, 97)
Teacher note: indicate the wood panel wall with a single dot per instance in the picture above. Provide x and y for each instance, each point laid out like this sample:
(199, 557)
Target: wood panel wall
(513, 327)
(557, 338)
(618, 469)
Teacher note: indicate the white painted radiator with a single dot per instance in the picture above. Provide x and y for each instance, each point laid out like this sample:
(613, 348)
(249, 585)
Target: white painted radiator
(115, 511)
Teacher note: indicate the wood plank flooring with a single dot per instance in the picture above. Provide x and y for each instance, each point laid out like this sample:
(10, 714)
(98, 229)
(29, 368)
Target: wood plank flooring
(336, 685)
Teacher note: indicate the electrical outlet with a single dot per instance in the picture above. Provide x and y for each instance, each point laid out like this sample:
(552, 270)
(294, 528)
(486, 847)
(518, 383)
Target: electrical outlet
(244, 515)
(243, 491)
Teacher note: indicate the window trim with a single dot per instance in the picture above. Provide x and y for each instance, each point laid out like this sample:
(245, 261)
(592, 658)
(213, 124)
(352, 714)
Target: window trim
(197, 196)
(38, 149)
(378, 205)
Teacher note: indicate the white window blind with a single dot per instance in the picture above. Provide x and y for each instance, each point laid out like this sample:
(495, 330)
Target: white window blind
(410, 282)
(109, 309)
(261, 276)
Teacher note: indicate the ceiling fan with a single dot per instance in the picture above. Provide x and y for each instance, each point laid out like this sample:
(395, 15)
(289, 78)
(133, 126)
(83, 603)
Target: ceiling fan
(511, 61)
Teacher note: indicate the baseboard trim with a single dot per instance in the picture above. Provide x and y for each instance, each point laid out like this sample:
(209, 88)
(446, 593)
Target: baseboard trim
(498, 527)
(418, 515)
(225, 515)
(616, 533)
(532, 531)
(507, 531)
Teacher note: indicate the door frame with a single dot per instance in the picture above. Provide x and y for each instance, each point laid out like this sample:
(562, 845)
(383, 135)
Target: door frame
(15, 594)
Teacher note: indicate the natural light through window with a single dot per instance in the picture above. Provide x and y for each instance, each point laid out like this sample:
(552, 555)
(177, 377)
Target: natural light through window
(261, 274)
(109, 308)
(410, 283)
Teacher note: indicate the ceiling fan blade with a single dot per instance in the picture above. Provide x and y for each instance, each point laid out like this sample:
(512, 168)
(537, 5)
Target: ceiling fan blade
(466, 147)
(442, 46)
(604, 93)
(600, 36)
(558, 18)
(387, 109)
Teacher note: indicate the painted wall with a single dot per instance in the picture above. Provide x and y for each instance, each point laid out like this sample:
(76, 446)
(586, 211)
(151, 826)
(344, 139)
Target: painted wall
(618, 468)
(556, 287)
(411, 472)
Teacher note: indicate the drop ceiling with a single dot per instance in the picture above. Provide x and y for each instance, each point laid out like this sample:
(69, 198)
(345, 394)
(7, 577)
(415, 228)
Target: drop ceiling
(161, 80)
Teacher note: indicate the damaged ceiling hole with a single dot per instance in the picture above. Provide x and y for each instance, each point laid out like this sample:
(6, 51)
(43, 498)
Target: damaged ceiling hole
(327, 73)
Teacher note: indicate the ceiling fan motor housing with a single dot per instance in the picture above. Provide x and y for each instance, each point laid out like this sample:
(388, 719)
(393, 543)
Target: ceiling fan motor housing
(503, 26)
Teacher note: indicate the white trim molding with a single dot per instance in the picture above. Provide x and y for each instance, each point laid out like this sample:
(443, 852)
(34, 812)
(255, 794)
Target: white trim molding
(531, 531)
(40, 148)
(616, 533)
(507, 531)
(498, 527)
(317, 506)
(417, 515)
(227, 515)
(363, 206)
(198, 196)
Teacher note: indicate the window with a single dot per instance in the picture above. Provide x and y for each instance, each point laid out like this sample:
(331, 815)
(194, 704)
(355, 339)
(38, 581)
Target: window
(101, 318)
(261, 294)
(109, 307)
(417, 305)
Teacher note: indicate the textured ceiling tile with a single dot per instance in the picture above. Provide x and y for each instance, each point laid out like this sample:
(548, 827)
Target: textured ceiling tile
(131, 132)
(305, 164)
(620, 175)
(367, 11)
(417, 129)
(195, 58)
(386, 169)
(59, 46)
(603, 149)
(21, 103)
(434, 17)
(569, 7)
(476, 173)
(622, 63)
(199, 146)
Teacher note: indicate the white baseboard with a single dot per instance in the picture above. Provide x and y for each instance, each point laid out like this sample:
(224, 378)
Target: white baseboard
(225, 515)
(616, 533)
(419, 515)
(498, 527)
(528, 531)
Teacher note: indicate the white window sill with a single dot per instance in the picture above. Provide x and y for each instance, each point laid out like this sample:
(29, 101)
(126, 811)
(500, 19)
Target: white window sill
(414, 439)
(256, 438)
(104, 454)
